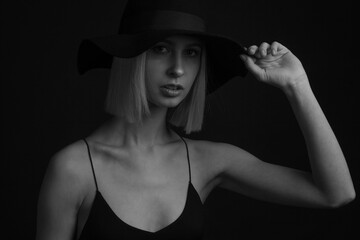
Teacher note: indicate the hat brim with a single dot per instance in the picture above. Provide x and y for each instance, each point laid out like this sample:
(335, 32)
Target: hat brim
(223, 62)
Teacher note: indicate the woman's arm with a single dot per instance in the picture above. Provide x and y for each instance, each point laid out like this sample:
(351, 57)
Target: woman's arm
(329, 184)
(330, 172)
(60, 197)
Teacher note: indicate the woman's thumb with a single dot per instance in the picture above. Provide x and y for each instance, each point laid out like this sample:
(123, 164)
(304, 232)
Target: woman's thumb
(251, 66)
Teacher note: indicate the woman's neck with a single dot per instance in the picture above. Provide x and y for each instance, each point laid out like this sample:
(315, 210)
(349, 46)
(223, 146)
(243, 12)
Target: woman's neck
(153, 131)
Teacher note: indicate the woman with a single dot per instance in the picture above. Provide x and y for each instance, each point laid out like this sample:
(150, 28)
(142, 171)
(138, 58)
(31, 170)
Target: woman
(128, 179)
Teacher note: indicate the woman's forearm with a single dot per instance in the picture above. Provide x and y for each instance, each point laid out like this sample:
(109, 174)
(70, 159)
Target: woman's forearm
(329, 169)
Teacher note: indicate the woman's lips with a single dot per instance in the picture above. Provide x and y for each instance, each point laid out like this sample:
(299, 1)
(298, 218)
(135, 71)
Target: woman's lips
(170, 92)
(173, 86)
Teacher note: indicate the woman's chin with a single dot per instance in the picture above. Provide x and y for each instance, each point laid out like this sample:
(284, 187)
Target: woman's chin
(165, 103)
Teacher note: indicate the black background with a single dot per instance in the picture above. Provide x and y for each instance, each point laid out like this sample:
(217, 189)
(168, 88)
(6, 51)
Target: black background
(47, 105)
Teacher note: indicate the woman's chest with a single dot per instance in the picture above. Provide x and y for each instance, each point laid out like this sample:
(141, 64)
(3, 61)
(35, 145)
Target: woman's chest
(149, 196)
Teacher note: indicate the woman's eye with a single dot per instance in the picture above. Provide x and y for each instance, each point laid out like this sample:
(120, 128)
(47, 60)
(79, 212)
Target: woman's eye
(192, 52)
(160, 49)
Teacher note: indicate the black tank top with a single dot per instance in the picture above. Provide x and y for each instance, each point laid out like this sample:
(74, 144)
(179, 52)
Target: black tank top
(104, 224)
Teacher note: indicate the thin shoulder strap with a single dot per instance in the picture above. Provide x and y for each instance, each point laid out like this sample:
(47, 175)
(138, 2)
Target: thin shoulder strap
(187, 152)
(92, 166)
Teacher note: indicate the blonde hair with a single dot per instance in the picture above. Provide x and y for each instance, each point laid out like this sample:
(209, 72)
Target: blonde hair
(127, 98)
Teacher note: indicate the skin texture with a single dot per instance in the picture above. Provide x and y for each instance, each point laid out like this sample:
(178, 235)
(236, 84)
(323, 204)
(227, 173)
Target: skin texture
(148, 163)
(175, 58)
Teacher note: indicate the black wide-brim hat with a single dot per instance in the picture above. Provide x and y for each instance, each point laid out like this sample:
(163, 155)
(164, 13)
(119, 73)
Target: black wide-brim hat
(145, 23)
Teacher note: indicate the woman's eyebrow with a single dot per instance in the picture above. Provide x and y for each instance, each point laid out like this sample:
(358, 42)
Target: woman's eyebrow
(192, 44)
(195, 45)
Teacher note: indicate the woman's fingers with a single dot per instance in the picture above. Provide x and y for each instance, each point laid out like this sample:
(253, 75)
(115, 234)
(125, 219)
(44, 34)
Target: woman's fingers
(252, 50)
(275, 47)
(250, 64)
(265, 49)
(260, 56)
(278, 48)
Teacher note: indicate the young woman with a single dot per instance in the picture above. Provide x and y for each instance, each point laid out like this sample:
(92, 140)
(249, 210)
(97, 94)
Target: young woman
(136, 178)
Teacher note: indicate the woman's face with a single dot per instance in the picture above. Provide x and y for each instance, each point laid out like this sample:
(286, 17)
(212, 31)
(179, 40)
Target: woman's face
(175, 60)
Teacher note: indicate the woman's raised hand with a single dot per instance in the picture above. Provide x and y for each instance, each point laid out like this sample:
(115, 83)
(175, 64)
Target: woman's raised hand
(274, 64)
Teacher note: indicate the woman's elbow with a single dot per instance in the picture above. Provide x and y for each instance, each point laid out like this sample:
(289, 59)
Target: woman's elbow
(342, 200)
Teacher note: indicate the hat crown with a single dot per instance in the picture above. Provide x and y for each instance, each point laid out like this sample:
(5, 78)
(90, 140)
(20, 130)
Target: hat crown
(144, 15)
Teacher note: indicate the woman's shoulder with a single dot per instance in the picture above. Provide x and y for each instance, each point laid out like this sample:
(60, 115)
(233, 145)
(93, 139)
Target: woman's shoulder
(216, 154)
(207, 147)
(71, 157)
(210, 158)
(205, 151)
(70, 166)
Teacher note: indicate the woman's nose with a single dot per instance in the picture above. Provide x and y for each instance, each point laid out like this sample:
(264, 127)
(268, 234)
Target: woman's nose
(176, 69)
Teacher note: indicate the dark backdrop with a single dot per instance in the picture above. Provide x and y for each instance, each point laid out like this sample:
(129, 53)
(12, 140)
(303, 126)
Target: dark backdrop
(47, 105)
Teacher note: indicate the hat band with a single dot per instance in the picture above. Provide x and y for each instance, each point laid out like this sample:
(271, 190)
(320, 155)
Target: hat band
(164, 20)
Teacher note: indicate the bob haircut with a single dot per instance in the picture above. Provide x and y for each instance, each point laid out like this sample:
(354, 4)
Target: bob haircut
(127, 97)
